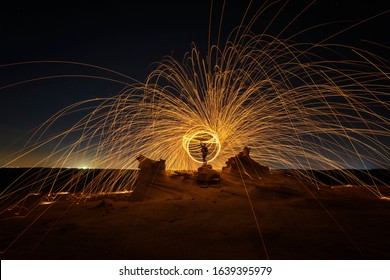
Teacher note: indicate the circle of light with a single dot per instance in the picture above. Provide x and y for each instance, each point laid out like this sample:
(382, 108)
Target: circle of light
(214, 139)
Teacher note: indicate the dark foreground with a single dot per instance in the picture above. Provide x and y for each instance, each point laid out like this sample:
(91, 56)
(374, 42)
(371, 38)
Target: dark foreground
(177, 218)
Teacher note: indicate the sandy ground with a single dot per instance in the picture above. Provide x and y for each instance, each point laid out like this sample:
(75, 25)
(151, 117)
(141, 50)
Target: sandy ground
(177, 218)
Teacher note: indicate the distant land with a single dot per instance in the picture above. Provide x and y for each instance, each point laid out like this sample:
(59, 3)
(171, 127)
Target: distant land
(35, 176)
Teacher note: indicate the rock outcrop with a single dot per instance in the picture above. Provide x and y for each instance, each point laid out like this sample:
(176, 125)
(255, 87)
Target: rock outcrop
(206, 174)
(243, 164)
(150, 172)
(147, 165)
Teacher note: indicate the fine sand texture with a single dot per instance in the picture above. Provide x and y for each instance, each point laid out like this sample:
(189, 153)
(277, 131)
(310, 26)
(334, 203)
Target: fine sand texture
(173, 217)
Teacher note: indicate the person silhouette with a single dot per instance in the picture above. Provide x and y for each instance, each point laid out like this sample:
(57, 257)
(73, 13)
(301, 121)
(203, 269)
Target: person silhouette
(205, 151)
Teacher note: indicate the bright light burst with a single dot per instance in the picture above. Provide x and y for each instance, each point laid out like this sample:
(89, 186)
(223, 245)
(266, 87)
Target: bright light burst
(296, 105)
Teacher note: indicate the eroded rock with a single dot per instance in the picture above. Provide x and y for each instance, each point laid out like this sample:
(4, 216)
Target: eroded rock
(206, 174)
(151, 166)
(243, 164)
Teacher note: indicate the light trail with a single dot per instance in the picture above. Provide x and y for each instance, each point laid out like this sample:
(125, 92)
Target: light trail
(294, 107)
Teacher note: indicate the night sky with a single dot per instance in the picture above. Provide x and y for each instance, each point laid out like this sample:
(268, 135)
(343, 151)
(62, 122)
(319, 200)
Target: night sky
(128, 39)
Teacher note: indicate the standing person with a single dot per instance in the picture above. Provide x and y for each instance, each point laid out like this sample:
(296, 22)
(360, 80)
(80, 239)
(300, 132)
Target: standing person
(205, 151)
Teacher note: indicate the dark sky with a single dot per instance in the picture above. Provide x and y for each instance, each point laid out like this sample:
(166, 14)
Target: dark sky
(128, 39)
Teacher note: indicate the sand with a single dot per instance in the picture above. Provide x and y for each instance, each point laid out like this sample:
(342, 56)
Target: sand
(177, 218)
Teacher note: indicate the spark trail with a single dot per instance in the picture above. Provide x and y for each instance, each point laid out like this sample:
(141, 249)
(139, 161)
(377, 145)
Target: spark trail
(292, 105)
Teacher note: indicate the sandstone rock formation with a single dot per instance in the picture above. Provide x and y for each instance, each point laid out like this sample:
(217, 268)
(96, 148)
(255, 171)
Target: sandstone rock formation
(150, 172)
(243, 164)
(151, 166)
(206, 174)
